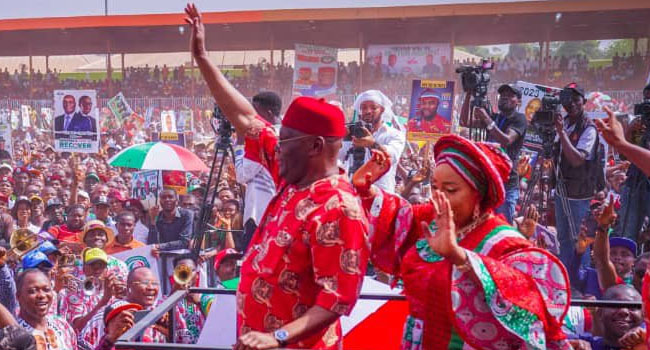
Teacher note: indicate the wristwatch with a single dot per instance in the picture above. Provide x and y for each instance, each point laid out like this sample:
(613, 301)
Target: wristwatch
(281, 335)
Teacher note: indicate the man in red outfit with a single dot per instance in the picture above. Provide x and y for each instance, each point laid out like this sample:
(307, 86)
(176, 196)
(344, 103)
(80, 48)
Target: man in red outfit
(428, 119)
(307, 259)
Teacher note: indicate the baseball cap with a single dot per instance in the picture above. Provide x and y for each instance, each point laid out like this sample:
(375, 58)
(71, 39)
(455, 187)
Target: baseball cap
(47, 247)
(92, 176)
(94, 254)
(575, 88)
(134, 203)
(623, 242)
(512, 87)
(100, 200)
(53, 201)
(83, 194)
(22, 199)
(7, 166)
(35, 198)
(228, 252)
(117, 307)
(115, 194)
(34, 259)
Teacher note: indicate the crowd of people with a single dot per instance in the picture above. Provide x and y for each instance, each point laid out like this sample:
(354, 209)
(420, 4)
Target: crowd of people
(488, 237)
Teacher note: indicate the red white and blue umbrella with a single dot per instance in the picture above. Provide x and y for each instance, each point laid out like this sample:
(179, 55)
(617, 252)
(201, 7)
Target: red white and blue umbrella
(158, 156)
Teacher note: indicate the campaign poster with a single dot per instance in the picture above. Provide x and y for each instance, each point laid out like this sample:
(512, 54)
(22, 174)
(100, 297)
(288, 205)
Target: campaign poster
(140, 257)
(176, 180)
(168, 121)
(146, 186)
(75, 124)
(119, 107)
(315, 71)
(174, 138)
(148, 115)
(25, 117)
(185, 122)
(431, 110)
(5, 131)
(426, 61)
(531, 101)
(46, 118)
(15, 119)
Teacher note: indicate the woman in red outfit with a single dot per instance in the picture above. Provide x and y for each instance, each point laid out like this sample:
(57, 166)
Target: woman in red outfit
(471, 279)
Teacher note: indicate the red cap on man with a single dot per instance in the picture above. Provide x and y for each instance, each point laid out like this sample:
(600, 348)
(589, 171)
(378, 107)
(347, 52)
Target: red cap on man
(315, 117)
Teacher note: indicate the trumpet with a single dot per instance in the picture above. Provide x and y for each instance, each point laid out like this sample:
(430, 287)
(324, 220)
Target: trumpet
(183, 274)
(89, 285)
(22, 241)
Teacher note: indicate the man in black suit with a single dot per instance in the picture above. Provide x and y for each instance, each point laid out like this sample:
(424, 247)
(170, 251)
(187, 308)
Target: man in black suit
(62, 122)
(82, 121)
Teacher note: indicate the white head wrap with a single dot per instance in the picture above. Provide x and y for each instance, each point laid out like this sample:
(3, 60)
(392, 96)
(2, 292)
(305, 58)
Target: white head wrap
(379, 98)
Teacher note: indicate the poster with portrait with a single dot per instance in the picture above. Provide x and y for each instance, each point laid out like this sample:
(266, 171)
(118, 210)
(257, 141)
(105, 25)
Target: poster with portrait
(315, 71)
(427, 61)
(146, 186)
(168, 120)
(76, 127)
(430, 110)
(531, 101)
(25, 116)
(6, 142)
(45, 122)
(175, 180)
(185, 121)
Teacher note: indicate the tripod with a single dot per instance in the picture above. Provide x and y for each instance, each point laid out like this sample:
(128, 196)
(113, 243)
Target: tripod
(478, 100)
(224, 148)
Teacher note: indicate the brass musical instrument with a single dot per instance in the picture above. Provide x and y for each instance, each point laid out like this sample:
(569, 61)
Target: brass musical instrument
(183, 274)
(22, 241)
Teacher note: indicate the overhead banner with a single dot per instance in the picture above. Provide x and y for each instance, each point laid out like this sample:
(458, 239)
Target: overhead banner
(431, 110)
(422, 60)
(146, 186)
(315, 71)
(75, 125)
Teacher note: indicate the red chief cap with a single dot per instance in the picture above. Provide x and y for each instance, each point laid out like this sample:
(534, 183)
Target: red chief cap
(21, 169)
(315, 117)
(8, 179)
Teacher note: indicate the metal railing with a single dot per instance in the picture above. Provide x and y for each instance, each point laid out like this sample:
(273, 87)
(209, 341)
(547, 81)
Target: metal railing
(128, 339)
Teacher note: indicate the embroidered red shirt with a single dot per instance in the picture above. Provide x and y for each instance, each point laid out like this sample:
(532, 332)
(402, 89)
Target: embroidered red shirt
(311, 248)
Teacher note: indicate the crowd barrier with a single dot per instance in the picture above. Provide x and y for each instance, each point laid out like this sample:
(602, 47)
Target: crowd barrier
(127, 340)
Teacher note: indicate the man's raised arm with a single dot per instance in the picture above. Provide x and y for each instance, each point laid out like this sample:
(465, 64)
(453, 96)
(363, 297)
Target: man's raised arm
(233, 104)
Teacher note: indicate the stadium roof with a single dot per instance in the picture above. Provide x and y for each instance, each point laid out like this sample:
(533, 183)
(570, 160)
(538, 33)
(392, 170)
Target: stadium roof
(465, 22)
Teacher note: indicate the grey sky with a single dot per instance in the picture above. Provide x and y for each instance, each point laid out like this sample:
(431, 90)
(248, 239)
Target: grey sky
(65, 8)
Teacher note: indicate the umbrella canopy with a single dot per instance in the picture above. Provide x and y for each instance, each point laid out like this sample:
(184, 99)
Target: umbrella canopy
(158, 156)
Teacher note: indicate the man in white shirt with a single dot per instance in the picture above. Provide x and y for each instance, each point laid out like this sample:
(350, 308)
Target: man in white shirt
(376, 112)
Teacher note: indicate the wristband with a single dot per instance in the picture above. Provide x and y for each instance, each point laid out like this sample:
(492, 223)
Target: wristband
(491, 126)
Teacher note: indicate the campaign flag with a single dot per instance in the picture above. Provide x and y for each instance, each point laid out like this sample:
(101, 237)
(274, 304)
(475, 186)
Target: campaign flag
(431, 110)
(76, 127)
(315, 71)
(427, 61)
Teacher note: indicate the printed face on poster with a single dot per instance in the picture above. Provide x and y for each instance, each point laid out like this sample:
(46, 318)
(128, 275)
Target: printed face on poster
(431, 109)
(531, 101)
(76, 121)
(6, 142)
(176, 180)
(315, 71)
(168, 120)
(146, 186)
(423, 60)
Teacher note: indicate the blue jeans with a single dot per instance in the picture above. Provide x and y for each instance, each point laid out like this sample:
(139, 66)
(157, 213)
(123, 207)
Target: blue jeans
(635, 206)
(507, 209)
(579, 210)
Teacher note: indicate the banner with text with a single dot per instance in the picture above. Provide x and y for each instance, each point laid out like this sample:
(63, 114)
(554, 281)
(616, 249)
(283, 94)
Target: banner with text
(422, 60)
(75, 125)
(315, 71)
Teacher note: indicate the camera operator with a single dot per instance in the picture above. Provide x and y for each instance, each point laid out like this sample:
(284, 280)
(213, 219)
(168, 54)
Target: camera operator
(508, 128)
(375, 108)
(635, 192)
(577, 167)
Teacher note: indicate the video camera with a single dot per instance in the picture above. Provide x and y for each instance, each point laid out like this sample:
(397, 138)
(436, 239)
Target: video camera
(643, 110)
(355, 129)
(544, 120)
(475, 80)
(223, 128)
